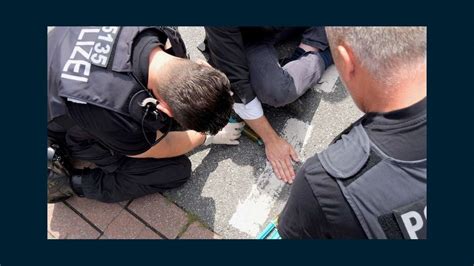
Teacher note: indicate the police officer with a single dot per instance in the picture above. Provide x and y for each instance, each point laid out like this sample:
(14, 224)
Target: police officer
(371, 181)
(128, 100)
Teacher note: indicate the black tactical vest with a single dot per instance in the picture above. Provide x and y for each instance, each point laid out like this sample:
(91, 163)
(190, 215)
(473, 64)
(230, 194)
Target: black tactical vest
(388, 196)
(92, 65)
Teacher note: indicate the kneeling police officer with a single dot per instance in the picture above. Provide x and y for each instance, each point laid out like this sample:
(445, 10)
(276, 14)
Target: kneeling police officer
(117, 97)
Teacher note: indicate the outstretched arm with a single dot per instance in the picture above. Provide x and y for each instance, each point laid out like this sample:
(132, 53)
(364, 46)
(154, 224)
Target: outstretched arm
(279, 152)
(180, 142)
(174, 144)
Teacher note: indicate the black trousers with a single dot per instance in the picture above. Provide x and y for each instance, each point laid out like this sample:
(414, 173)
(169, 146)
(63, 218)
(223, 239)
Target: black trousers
(118, 177)
(277, 85)
(135, 178)
(249, 58)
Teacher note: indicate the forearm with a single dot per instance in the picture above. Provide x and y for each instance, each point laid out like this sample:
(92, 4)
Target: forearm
(279, 152)
(181, 142)
(262, 127)
(252, 113)
(176, 143)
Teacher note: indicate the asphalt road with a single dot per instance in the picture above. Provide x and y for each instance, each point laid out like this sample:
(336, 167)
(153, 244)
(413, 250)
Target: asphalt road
(233, 189)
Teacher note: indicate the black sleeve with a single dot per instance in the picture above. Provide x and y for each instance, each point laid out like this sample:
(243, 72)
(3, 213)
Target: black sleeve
(227, 54)
(143, 44)
(317, 208)
(302, 217)
(115, 131)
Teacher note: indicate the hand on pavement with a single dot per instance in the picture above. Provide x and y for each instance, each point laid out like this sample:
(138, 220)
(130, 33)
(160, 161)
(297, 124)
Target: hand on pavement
(280, 154)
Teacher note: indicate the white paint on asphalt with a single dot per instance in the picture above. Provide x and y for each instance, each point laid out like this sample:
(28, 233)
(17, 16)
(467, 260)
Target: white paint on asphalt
(328, 79)
(302, 152)
(252, 213)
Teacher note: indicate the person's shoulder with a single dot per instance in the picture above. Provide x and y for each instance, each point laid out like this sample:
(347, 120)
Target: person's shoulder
(342, 159)
(318, 178)
(347, 155)
(316, 175)
(316, 207)
(333, 210)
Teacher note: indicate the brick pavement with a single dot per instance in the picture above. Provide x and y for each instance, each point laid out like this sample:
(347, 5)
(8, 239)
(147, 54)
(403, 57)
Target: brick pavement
(150, 217)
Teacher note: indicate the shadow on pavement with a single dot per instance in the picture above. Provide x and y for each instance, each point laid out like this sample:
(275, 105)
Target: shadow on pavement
(339, 93)
(225, 174)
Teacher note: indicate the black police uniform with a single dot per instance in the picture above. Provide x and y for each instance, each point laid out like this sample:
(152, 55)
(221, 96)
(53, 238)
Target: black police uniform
(370, 183)
(94, 97)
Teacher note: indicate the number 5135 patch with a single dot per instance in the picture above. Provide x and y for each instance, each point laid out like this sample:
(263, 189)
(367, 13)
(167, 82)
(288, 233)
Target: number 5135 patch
(104, 40)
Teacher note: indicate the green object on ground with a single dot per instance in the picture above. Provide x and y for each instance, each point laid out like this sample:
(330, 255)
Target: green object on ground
(249, 133)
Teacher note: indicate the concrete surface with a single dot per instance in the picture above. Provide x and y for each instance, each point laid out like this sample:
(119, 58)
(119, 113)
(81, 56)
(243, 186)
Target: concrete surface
(233, 189)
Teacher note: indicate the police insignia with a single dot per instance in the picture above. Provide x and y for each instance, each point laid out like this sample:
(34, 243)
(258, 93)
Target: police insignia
(412, 220)
(94, 46)
(103, 46)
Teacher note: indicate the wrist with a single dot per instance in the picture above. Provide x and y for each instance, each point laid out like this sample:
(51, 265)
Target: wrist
(270, 138)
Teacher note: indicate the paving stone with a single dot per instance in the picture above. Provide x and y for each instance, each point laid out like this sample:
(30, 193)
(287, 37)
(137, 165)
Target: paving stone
(124, 203)
(147, 233)
(99, 213)
(50, 236)
(197, 231)
(160, 213)
(124, 226)
(63, 223)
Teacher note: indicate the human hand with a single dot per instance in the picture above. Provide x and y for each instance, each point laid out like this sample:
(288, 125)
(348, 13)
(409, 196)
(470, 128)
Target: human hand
(228, 135)
(280, 154)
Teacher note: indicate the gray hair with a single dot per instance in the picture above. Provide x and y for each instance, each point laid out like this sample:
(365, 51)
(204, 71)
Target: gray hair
(383, 51)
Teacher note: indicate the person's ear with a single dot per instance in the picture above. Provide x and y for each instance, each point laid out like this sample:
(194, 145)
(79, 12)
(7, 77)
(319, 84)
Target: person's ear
(165, 108)
(347, 62)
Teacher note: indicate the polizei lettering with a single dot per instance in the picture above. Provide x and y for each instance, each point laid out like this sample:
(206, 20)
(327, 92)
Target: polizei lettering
(93, 47)
(412, 220)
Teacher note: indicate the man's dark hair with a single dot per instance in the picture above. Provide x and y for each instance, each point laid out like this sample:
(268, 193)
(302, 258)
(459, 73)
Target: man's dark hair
(198, 95)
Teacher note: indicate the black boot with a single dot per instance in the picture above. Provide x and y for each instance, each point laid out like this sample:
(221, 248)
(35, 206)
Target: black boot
(62, 182)
(59, 187)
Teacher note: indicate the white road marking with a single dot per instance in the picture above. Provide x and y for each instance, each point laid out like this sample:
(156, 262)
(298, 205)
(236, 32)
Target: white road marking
(253, 211)
(328, 80)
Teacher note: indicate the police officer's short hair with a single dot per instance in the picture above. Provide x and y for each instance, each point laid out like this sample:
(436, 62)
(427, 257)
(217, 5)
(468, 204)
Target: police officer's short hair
(382, 50)
(198, 95)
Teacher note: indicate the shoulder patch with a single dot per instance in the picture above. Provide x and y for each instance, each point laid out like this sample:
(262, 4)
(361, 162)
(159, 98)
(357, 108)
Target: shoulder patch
(347, 156)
